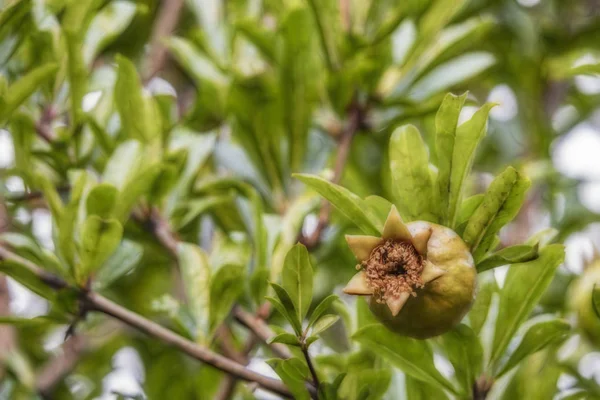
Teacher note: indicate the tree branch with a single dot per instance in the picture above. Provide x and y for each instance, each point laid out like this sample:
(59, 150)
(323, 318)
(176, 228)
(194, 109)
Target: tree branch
(168, 16)
(311, 367)
(261, 330)
(59, 366)
(356, 121)
(96, 302)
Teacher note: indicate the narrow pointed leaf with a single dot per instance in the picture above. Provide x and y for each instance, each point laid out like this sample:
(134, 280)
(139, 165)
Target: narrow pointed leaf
(524, 285)
(464, 351)
(195, 271)
(285, 338)
(297, 278)
(446, 122)
(349, 204)
(414, 357)
(509, 255)
(468, 136)
(324, 323)
(99, 239)
(536, 338)
(501, 203)
(321, 308)
(409, 166)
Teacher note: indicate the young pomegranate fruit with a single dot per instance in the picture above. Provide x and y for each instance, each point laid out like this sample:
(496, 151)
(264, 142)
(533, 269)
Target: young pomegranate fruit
(580, 301)
(420, 276)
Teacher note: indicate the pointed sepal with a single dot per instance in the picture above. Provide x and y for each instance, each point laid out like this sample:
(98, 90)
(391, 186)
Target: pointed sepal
(420, 238)
(362, 246)
(395, 228)
(358, 285)
(395, 303)
(431, 272)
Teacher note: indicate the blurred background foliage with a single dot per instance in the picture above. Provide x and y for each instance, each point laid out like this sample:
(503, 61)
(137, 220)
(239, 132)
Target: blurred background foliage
(176, 126)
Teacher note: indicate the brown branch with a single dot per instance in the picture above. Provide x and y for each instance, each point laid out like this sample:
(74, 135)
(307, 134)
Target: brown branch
(356, 121)
(96, 302)
(168, 16)
(311, 367)
(8, 336)
(261, 330)
(59, 366)
(482, 387)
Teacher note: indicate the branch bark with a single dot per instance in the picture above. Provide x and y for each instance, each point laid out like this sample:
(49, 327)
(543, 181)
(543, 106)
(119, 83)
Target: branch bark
(99, 303)
(59, 366)
(8, 335)
(356, 121)
(168, 16)
(261, 330)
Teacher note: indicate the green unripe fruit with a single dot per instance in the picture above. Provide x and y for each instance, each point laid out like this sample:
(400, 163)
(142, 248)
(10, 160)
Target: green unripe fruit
(420, 276)
(580, 301)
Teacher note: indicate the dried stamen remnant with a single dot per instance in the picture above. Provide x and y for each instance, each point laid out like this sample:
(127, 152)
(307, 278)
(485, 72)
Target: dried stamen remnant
(392, 268)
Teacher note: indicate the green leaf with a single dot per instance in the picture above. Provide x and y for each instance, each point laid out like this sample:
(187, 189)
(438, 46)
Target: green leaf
(297, 278)
(122, 262)
(262, 38)
(299, 70)
(464, 351)
(349, 204)
(321, 308)
(446, 122)
(535, 339)
(99, 239)
(226, 286)
(508, 255)
(195, 271)
(101, 200)
(77, 74)
(70, 218)
(106, 26)
(137, 110)
(524, 285)
(285, 338)
(138, 187)
(29, 249)
(27, 322)
(416, 390)
(453, 72)
(324, 323)
(196, 207)
(50, 195)
(467, 208)
(326, 14)
(501, 203)
(468, 136)
(414, 357)
(26, 278)
(291, 376)
(288, 305)
(487, 287)
(19, 91)
(123, 164)
(409, 166)
(438, 15)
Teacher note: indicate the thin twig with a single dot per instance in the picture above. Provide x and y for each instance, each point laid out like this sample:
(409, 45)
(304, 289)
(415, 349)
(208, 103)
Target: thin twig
(356, 121)
(168, 16)
(59, 366)
(7, 332)
(311, 367)
(99, 303)
(482, 387)
(262, 331)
